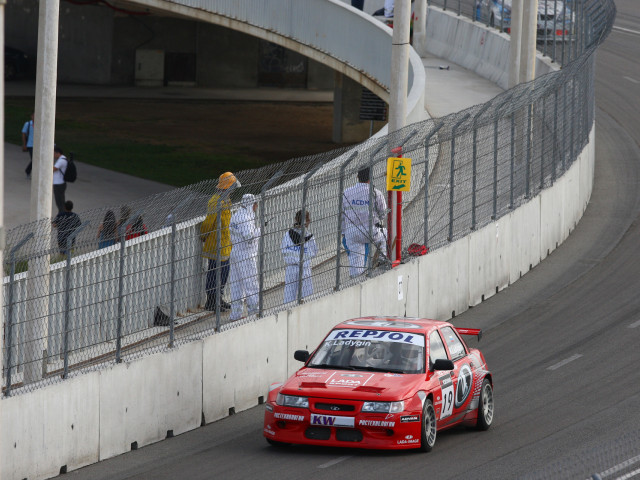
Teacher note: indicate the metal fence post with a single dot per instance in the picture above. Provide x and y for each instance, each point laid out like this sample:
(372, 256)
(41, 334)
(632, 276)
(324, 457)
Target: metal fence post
(573, 120)
(554, 166)
(371, 201)
(426, 181)
(527, 172)
(9, 339)
(263, 200)
(340, 208)
(452, 174)
(172, 308)
(565, 119)
(542, 142)
(495, 156)
(555, 29)
(218, 272)
(123, 229)
(474, 163)
(512, 159)
(67, 297)
(303, 228)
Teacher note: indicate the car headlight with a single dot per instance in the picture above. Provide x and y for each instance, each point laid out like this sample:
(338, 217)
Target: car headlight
(291, 401)
(383, 407)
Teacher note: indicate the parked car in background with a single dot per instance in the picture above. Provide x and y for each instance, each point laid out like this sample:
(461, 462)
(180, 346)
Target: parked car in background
(554, 18)
(16, 63)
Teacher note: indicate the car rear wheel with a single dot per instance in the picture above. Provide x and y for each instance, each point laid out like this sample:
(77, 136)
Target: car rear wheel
(485, 408)
(429, 427)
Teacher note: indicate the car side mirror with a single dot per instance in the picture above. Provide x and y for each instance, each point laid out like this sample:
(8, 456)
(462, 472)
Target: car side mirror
(301, 355)
(443, 364)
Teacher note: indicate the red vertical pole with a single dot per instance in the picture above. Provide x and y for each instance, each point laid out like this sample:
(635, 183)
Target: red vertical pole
(397, 213)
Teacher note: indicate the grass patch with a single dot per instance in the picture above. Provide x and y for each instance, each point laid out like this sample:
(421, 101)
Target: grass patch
(180, 142)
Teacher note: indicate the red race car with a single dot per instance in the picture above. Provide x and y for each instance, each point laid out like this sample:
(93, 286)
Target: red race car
(382, 382)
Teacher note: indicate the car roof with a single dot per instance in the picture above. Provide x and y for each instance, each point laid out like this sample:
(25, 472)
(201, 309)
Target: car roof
(392, 323)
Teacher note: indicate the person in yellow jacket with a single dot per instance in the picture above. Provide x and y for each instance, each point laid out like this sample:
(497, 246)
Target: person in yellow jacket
(215, 248)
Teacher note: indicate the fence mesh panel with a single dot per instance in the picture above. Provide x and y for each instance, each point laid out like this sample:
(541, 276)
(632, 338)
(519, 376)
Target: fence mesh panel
(116, 295)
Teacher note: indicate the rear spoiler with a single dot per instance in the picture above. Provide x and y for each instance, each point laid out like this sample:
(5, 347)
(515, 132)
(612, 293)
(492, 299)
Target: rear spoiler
(469, 331)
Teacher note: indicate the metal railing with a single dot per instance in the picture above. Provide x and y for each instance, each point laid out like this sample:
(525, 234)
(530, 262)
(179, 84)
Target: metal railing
(144, 291)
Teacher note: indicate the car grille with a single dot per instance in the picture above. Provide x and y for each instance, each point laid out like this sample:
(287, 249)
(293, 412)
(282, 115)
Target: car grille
(317, 433)
(348, 435)
(334, 407)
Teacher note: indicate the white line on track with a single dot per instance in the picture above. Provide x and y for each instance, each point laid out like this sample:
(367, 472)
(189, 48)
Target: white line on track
(632, 80)
(627, 30)
(620, 466)
(635, 324)
(564, 362)
(629, 475)
(333, 462)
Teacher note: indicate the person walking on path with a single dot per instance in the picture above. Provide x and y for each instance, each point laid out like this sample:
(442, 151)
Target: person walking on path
(243, 275)
(355, 222)
(27, 143)
(217, 244)
(59, 185)
(290, 246)
(66, 222)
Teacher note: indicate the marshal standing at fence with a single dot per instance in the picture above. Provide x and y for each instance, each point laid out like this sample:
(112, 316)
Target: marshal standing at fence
(355, 223)
(218, 246)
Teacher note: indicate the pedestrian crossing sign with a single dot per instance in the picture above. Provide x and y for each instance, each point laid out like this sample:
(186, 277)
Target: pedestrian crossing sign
(398, 174)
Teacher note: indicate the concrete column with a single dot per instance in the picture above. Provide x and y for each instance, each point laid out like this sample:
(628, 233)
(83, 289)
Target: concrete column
(337, 107)
(399, 65)
(2, 230)
(516, 41)
(420, 26)
(528, 42)
(400, 49)
(42, 186)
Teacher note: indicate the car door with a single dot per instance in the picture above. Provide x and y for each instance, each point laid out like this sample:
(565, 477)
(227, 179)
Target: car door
(444, 399)
(461, 375)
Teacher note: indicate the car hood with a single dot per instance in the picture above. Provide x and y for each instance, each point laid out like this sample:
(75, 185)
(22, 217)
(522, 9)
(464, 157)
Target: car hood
(353, 385)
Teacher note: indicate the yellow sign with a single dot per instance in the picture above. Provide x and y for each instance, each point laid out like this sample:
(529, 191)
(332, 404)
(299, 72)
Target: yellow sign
(399, 174)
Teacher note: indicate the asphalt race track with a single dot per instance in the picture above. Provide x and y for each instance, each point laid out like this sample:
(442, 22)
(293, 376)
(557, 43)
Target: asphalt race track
(563, 345)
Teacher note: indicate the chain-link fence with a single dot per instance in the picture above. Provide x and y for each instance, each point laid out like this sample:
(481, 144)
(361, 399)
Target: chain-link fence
(128, 280)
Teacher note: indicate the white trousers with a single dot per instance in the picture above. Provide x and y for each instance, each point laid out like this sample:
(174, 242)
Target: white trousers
(243, 284)
(291, 282)
(359, 249)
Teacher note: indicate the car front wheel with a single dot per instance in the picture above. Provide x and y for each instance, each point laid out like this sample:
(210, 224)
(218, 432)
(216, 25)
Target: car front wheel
(429, 427)
(485, 408)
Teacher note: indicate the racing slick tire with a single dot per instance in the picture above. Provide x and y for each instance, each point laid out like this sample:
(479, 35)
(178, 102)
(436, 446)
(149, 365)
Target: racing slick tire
(429, 427)
(485, 406)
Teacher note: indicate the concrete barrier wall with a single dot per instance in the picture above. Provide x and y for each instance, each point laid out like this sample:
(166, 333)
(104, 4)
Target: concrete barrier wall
(474, 46)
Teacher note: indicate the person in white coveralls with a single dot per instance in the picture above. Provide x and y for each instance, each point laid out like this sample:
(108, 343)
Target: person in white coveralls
(355, 223)
(291, 244)
(243, 275)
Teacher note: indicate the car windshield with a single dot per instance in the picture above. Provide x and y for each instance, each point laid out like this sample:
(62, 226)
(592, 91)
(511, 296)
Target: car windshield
(373, 350)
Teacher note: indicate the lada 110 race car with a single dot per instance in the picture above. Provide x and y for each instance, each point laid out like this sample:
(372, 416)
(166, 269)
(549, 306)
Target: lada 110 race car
(382, 383)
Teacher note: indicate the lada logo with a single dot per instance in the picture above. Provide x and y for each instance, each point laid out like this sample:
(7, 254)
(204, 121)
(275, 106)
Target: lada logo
(463, 386)
(335, 408)
(409, 437)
